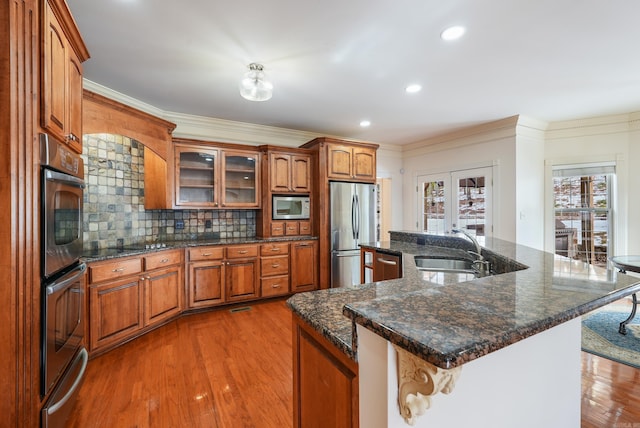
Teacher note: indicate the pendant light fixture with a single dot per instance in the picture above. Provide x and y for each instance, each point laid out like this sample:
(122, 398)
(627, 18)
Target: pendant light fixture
(254, 86)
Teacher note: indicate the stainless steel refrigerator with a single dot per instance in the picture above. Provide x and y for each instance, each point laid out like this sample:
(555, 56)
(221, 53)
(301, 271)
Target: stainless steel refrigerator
(353, 221)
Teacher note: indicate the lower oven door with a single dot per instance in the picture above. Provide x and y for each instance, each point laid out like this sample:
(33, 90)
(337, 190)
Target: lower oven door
(57, 410)
(62, 325)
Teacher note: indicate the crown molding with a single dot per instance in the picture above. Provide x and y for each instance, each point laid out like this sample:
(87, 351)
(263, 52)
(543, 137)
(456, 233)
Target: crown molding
(600, 125)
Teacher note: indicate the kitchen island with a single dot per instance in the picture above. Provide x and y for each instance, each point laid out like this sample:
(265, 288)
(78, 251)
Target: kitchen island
(506, 347)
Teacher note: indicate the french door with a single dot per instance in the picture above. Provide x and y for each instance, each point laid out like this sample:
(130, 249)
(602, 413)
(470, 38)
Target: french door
(456, 200)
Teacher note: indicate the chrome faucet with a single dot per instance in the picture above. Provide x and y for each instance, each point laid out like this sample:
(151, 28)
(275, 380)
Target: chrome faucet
(482, 265)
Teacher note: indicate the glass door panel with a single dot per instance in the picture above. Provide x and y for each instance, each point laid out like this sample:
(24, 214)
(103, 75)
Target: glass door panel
(240, 179)
(458, 199)
(195, 177)
(472, 199)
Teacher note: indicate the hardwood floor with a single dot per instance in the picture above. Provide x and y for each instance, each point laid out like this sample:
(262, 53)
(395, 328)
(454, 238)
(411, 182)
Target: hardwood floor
(224, 369)
(214, 369)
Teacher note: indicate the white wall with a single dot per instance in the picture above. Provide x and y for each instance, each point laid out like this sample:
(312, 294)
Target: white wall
(490, 144)
(389, 165)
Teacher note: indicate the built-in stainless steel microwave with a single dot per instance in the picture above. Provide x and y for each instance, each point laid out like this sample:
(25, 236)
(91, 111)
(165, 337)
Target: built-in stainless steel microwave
(291, 207)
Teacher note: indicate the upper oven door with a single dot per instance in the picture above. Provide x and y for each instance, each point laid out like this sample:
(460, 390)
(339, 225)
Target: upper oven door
(62, 202)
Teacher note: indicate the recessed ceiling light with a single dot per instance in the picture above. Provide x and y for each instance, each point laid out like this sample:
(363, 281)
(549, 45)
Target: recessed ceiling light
(412, 89)
(452, 33)
(365, 123)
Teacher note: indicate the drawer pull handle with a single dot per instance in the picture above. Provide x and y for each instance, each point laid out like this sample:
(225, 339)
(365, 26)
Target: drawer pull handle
(276, 286)
(118, 270)
(164, 260)
(387, 262)
(205, 254)
(275, 249)
(243, 252)
(275, 265)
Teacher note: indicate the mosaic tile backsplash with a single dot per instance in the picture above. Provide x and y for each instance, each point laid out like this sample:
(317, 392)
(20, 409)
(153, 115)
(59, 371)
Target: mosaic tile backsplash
(114, 214)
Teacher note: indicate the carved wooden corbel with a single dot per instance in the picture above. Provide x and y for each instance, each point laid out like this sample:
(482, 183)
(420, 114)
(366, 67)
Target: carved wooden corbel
(418, 381)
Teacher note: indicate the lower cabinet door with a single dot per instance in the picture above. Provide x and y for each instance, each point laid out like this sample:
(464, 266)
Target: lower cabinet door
(162, 294)
(242, 279)
(115, 311)
(304, 266)
(206, 284)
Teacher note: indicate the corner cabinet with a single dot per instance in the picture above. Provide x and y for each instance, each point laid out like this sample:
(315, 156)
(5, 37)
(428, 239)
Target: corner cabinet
(208, 176)
(132, 295)
(61, 86)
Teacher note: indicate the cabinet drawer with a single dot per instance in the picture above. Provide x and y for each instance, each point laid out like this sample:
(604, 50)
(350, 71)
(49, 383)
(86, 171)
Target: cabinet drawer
(292, 228)
(242, 251)
(274, 265)
(162, 259)
(206, 253)
(277, 228)
(275, 286)
(114, 269)
(305, 228)
(274, 249)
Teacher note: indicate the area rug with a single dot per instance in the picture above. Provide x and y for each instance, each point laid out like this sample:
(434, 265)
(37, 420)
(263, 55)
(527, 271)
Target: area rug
(600, 336)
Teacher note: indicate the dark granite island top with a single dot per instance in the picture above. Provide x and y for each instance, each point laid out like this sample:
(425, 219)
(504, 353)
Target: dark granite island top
(447, 322)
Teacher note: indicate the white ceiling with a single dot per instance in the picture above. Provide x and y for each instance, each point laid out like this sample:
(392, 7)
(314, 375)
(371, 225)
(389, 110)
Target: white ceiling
(334, 63)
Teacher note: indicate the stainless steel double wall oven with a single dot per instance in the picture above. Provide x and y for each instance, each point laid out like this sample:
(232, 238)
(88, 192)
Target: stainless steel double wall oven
(63, 358)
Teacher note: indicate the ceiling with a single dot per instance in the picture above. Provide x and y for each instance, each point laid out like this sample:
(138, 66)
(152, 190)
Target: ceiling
(334, 63)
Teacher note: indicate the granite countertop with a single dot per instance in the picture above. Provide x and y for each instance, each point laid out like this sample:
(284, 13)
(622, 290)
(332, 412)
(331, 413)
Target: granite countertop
(451, 319)
(113, 253)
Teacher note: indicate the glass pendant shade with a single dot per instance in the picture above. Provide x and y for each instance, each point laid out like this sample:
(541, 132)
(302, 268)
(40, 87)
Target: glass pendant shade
(254, 86)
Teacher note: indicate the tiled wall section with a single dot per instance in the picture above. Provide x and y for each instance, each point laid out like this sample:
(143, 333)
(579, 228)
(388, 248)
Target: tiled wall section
(114, 214)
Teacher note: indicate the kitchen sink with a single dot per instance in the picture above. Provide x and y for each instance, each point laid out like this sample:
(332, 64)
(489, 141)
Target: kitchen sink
(432, 264)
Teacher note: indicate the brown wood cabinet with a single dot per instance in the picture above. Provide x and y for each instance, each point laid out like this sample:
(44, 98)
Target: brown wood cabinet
(274, 269)
(325, 382)
(304, 266)
(62, 77)
(130, 295)
(205, 282)
(219, 275)
(289, 173)
(284, 171)
(349, 163)
(212, 176)
(379, 266)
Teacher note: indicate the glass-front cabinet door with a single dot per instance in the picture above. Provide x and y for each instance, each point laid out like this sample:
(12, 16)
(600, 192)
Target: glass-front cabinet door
(240, 179)
(196, 176)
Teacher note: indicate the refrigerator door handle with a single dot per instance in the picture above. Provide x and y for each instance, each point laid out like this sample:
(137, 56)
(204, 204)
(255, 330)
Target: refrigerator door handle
(353, 216)
(357, 216)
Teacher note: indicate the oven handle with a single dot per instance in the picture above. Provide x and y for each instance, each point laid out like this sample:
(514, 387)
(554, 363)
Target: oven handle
(51, 175)
(85, 358)
(57, 286)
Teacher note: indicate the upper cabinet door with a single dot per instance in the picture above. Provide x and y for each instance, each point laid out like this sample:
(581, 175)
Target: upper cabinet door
(280, 172)
(290, 173)
(61, 85)
(196, 177)
(301, 173)
(240, 179)
(351, 163)
(54, 76)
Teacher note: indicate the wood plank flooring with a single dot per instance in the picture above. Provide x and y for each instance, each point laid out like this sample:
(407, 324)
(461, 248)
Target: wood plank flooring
(228, 370)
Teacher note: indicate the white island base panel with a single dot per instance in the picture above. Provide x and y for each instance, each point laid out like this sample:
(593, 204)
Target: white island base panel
(533, 383)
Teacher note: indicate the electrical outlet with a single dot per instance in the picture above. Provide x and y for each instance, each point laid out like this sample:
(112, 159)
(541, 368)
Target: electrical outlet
(179, 224)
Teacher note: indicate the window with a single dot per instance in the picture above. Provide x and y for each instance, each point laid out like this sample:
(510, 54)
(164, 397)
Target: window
(583, 211)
